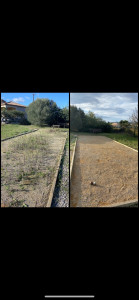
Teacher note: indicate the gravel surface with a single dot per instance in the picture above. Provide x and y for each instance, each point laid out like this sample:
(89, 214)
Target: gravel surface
(61, 193)
(28, 166)
(112, 166)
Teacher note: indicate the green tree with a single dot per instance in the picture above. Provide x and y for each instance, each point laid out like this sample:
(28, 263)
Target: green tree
(91, 120)
(43, 112)
(134, 120)
(107, 127)
(75, 119)
(124, 124)
(84, 122)
(83, 119)
(65, 114)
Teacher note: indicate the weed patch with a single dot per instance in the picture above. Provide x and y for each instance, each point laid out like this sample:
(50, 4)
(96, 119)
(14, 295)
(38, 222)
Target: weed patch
(32, 161)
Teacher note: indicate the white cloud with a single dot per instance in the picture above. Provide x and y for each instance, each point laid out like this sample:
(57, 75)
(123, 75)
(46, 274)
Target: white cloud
(4, 97)
(109, 106)
(19, 99)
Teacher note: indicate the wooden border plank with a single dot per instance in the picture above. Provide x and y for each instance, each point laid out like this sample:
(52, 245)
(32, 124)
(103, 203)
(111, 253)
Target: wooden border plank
(49, 202)
(18, 135)
(73, 155)
(122, 204)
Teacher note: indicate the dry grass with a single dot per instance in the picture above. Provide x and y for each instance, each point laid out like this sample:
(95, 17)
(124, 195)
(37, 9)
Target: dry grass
(28, 166)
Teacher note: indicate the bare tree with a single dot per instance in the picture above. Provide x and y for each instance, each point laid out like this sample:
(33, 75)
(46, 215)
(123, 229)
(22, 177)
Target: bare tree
(134, 119)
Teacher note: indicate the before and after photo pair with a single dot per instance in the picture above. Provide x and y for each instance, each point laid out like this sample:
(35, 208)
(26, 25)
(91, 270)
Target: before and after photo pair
(69, 150)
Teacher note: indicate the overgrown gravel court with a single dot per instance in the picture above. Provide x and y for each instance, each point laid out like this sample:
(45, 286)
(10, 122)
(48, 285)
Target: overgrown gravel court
(28, 164)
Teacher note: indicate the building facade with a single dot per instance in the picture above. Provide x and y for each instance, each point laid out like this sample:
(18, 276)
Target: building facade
(13, 106)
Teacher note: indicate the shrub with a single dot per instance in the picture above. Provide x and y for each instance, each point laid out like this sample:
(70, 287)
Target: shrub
(13, 115)
(107, 127)
(24, 122)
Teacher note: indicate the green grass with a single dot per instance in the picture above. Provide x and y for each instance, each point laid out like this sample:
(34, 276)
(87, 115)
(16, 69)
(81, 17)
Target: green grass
(122, 138)
(9, 130)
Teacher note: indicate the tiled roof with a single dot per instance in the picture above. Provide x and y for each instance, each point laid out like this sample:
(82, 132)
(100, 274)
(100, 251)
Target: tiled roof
(115, 124)
(3, 101)
(15, 104)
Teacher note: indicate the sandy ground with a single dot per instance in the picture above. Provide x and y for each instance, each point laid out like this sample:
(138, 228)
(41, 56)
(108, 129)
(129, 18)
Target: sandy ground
(39, 166)
(112, 166)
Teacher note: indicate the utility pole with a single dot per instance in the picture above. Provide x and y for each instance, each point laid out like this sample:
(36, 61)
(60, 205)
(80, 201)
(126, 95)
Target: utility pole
(33, 97)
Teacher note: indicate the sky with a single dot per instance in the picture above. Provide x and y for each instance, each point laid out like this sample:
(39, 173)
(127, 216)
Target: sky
(111, 107)
(61, 99)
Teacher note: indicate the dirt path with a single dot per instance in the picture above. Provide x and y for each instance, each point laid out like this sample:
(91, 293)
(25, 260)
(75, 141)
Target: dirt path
(112, 166)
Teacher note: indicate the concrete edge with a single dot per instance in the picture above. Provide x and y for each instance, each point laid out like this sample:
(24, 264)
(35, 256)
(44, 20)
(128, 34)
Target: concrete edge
(12, 137)
(121, 144)
(122, 204)
(49, 202)
(73, 155)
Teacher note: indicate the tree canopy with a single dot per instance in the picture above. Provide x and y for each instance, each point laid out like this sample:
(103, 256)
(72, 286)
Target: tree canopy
(45, 112)
(134, 119)
(79, 121)
(65, 114)
(124, 124)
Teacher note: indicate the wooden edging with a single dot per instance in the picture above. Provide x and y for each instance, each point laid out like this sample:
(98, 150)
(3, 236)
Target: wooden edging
(49, 202)
(18, 135)
(71, 164)
(122, 204)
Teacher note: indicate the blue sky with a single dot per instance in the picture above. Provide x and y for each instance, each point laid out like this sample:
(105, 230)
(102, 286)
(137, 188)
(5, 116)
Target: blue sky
(61, 99)
(111, 107)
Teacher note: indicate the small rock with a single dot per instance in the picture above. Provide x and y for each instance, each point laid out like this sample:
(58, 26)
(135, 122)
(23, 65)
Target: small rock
(93, 183)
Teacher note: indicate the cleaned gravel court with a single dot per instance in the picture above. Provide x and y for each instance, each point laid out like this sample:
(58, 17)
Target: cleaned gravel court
(112, 166)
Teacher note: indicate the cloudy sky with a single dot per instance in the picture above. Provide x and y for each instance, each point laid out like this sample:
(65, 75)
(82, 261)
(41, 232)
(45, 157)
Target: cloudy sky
(61, 99)
(110, 107)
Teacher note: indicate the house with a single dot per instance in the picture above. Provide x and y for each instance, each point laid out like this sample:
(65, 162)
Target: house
(13, 106)
(115, 125)
(3, 102)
